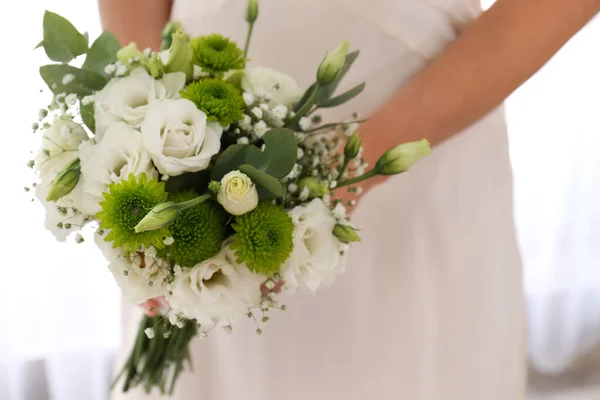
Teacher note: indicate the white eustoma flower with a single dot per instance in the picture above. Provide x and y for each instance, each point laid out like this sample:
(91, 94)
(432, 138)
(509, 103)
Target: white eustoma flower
(60, 147)
(315, 261)
(139, 276)
(237, 194)
(127, 99)
(117, 156)
(216, 291)
(281, 87)
(179, 138)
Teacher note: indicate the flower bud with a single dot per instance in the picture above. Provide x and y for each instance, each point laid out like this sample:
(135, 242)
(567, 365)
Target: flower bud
(252, 11)
(65, 181)
(402, 157)
(156, 67)
(131, 57)
(352, 146)
(237, 193)
(167, 34)
(315, 188)
(180, 55)
(160, 216)
(332, 64)
(345, 233)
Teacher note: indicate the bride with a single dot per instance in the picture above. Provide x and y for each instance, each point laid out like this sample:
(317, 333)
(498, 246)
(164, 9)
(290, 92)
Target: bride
(431, 306)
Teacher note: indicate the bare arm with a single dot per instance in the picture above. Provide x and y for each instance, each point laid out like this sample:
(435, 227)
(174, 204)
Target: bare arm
(493, 57)
(139, 21)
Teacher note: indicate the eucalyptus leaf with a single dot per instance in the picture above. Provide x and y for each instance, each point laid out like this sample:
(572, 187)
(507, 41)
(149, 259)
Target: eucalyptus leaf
(266, 181)
(196, 181)
(344, 97)
(103, 52)
(233, 157)
(83, 82)
(329, 89)
(281, 152)
(87, 115)
(62, 41)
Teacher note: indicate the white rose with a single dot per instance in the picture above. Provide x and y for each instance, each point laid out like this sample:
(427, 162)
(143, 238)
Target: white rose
(315, 261)
(237, 193)
(216, 291)
(117, 156)
(127, 99)
(282, 87)
(179, 138)
(138, 275)
(60, 146)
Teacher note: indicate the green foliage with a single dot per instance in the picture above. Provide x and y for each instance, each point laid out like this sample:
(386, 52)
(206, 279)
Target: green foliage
(280, 152)
(87, 115)
(83, 82)
(103, 52)
(62, 41)
(263, 238)
(263, 179)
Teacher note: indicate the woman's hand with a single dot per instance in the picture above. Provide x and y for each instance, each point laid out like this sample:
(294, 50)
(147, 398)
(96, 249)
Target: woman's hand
(151, 307)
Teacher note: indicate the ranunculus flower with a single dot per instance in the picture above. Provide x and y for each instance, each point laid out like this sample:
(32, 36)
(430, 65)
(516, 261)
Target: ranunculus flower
(237, 194)
(315, 261)
(282, 87)
(117, 156)
(127, 99)
(216, 291)
(179, 138)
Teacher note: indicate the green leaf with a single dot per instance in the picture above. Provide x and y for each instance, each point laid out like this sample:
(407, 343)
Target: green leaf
(62, 41)
(329, 89)
(83, 83)
(103, 52)
(266, 181)
(281, 152)
(344, 97)
(87, 39)
(87, 115)
(305, 96)
(333, 125)
(196, 181)
(233, 157)
(40, 44)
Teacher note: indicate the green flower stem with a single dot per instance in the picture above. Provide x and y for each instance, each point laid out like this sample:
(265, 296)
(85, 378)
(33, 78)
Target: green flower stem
(304, 109)
(368, 175)
(250, 29)
(344, 166)
(193, 202)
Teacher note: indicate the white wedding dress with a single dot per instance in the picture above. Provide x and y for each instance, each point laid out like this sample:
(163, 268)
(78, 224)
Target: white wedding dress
(431, 306)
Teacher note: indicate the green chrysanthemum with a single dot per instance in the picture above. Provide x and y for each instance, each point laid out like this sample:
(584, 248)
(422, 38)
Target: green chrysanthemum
(198, 232)
(264, 238)
(124, 206)
(217, 54)
(221, 101)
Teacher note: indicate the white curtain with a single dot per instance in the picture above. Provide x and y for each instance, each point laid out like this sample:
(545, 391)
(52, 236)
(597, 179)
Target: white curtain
(59, 306)
(554, 129)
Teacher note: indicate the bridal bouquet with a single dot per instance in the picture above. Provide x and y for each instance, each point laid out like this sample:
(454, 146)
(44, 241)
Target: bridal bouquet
(209, 184)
